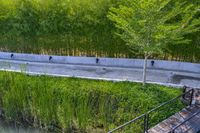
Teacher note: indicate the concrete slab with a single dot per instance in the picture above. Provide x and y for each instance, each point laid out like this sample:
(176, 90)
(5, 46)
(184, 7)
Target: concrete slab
(107, 69)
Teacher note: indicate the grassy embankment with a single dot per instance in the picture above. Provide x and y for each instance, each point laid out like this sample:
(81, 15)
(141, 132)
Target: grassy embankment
(79, 104)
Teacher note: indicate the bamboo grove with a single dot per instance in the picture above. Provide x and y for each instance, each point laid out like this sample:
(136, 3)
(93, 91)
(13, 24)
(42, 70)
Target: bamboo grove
(74, 27)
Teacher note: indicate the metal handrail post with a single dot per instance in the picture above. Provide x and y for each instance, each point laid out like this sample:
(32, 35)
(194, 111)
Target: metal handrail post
(145, 118)
(191, 97)
(146, 123)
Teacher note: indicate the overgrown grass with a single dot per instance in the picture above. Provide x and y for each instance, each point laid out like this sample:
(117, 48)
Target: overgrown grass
(79, 104)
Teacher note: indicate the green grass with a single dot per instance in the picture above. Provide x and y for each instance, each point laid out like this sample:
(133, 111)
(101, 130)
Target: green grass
(79, 104)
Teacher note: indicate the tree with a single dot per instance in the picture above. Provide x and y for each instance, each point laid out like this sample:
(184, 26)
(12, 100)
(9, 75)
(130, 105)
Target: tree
(150, 25)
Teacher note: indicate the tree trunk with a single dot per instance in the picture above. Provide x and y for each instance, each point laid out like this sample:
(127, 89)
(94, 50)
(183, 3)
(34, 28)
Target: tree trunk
(145, 70)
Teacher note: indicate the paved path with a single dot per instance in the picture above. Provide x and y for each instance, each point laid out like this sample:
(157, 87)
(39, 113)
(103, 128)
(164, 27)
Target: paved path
(167, 77)
(191, 126)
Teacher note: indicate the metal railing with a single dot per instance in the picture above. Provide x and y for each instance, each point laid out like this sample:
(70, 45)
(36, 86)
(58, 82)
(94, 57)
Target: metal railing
(146, 116)
(129, 122)
(176, 127)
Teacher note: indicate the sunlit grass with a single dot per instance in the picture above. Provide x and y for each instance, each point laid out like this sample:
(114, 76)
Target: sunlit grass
(78, 104)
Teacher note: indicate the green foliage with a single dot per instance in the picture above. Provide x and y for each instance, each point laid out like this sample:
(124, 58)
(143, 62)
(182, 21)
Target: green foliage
(78, 104)
(149, 25)
(64, 27)
(74, 27)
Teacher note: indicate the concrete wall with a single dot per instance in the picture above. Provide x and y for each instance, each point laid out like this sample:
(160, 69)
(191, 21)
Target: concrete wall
(131, 63)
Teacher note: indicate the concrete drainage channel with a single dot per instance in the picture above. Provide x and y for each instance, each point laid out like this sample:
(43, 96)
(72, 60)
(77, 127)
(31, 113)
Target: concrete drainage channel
(112, 62)
(166, 73)
(160, 72)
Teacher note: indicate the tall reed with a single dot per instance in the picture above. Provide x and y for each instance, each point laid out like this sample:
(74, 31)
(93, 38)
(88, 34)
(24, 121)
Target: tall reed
(80, 105)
